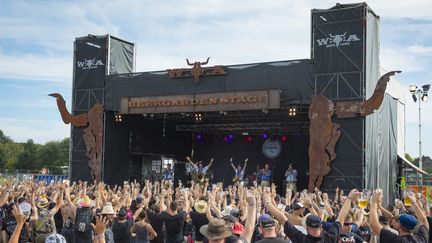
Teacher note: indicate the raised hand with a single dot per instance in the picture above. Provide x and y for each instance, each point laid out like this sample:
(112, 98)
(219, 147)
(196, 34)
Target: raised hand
(19, 216)
(101, 223)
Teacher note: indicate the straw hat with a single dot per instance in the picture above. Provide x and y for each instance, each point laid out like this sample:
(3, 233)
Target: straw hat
(42, 202)
(201, 206)
(86, 202)
(107, 209)
(215, 230)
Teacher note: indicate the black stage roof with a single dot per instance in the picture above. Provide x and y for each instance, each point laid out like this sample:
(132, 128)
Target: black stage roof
(295, 79)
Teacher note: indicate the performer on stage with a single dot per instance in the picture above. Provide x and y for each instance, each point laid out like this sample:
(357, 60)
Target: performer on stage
(239, 171)
(198, 167)
(168, 173)
(257, 175)
(266, 175)
(291, 178)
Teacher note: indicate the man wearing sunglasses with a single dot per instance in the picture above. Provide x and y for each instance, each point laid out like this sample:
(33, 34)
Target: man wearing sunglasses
(346, 233)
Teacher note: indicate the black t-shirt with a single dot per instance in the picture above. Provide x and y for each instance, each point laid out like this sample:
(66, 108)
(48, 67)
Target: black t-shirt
(331, 235)
(121, 231)
(351, 237)
(422, 236)
(157, 223)
(198, 220)
(429, 219)
(271, 240)
(229, 239)
(173, 226)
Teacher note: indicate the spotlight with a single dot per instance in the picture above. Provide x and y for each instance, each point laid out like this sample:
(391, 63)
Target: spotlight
(425, 97)
(412, 88)
(265, 136)
(414, 97)
(225, 138)
(426, 88)
(265, 111)
(199, 136)
(198, 117)
(283, 138)
(247, 140)
(292, 111)
(118, 118)
(230, 136)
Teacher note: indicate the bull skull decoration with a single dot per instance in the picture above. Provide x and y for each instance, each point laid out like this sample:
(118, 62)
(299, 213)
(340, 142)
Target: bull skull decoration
(324, 133)
(93, 132)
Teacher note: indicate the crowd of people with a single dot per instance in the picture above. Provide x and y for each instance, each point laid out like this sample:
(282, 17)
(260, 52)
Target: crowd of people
(154, 211)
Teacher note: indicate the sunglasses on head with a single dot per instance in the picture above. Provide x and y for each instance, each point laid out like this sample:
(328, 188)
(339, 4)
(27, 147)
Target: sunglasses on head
(348, 224)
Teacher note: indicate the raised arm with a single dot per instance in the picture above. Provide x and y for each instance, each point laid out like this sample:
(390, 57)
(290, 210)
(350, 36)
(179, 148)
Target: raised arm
(245, 164)
(373, 215)
(280, 216)
(418, 211)
(59, 202)
(21, 219)
(232, 165)
(190, 161)
(352, 197)
(251, 218)
(211, 162)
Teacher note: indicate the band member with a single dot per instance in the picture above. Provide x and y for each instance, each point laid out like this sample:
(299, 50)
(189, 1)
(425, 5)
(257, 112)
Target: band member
(257, 174)
(291, 178)
(198, 167)
(266, 175)
(239, 171)
(168, 173)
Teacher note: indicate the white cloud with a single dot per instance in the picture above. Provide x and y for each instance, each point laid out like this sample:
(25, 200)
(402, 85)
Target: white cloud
(420, 50)
(36, 67)
(39, 130)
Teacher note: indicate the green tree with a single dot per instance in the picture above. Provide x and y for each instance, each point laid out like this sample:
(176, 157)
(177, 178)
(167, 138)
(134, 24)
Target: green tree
(27, 159)
(4, 138)
(408, 157)
(11, 151)
(54, 154)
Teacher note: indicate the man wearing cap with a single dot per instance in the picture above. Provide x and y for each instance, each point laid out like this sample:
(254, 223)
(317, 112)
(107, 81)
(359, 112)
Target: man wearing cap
(267, 227)
(313, 222)
(405, 225)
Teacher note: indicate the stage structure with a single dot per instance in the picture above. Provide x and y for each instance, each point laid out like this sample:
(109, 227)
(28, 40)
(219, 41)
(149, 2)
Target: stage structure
(261, 111)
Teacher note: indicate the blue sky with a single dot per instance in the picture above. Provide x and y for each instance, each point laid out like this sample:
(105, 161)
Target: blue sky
(36, 45)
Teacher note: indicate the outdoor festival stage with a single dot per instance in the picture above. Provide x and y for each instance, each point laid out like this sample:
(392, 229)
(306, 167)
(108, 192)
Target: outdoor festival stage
(258, 111)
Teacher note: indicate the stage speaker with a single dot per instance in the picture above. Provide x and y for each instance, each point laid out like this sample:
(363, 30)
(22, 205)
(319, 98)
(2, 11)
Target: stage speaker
(180, 173)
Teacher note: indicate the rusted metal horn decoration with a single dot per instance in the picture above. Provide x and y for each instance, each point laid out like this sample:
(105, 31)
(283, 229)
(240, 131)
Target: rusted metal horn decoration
(324, 133)
(93, 133)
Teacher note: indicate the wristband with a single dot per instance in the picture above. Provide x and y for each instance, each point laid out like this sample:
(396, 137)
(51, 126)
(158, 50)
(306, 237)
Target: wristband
(265, 204)
(100, 236)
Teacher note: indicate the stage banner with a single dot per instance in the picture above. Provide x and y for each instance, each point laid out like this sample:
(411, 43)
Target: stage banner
(226, 101)
(121, 59)
(338, 51)
(90, 63)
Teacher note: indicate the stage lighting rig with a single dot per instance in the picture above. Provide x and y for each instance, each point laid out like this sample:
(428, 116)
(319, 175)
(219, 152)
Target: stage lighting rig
(198, 117)
(292, 111)
(422, 96)
(118, 118)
